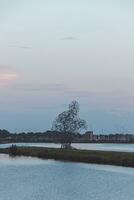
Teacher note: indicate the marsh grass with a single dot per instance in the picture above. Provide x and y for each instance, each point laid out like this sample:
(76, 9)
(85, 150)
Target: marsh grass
(74, 155)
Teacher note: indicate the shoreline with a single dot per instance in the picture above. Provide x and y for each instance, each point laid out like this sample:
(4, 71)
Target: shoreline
(125, 159)
(53, 142)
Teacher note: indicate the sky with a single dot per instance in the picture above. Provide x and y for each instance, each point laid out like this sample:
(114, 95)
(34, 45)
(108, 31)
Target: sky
(56, 51)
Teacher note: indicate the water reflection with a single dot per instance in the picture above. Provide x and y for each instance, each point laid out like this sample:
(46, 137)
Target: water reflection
(19, 160)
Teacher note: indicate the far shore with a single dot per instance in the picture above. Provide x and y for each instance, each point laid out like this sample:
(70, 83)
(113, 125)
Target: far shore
(74, 155)
(52, 142)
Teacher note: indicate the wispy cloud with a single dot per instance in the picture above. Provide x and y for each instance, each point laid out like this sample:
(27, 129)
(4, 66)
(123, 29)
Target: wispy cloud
(69, 38)
(8, 68)
(5, 68)
(54, 89)
(20, 46)
(6, 74)
(122, 111)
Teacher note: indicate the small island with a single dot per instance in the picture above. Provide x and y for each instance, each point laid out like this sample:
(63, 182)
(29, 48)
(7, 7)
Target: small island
(73, 155)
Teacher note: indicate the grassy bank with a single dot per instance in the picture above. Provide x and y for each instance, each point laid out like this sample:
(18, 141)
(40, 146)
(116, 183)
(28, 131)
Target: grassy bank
(85, 156)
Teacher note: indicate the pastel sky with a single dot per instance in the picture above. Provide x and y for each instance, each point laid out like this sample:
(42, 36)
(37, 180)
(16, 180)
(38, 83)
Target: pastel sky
(55, 51)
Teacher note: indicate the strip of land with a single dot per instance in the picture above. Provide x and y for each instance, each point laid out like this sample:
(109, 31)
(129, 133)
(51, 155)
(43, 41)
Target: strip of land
(74, 155)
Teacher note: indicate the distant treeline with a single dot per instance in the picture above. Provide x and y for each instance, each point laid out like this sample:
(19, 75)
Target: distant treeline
(55, 137)
(48, 136)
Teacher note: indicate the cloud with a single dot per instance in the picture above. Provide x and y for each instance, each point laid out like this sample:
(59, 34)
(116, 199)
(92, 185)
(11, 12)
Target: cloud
(9, 69)
(7, 74)
(54, 88)
(5, 68)
(69, 38)
(122, 111)
(20, 47)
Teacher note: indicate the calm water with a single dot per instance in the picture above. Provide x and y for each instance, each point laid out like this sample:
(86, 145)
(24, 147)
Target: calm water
(35, 179)
(103, 147)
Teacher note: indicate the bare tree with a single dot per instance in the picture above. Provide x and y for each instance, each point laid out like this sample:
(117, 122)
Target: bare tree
(69, 123)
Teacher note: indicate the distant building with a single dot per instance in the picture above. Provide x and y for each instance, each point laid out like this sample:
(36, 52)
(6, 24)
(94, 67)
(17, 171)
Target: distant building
(89, 135)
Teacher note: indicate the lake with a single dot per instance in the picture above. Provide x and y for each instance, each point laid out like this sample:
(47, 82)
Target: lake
(35, 179)
(89, 146)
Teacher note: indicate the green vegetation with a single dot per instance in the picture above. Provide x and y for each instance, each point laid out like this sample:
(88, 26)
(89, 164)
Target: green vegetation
(74, 155)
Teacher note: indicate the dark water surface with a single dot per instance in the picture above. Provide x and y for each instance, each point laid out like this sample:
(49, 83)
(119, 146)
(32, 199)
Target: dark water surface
(35, 179)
